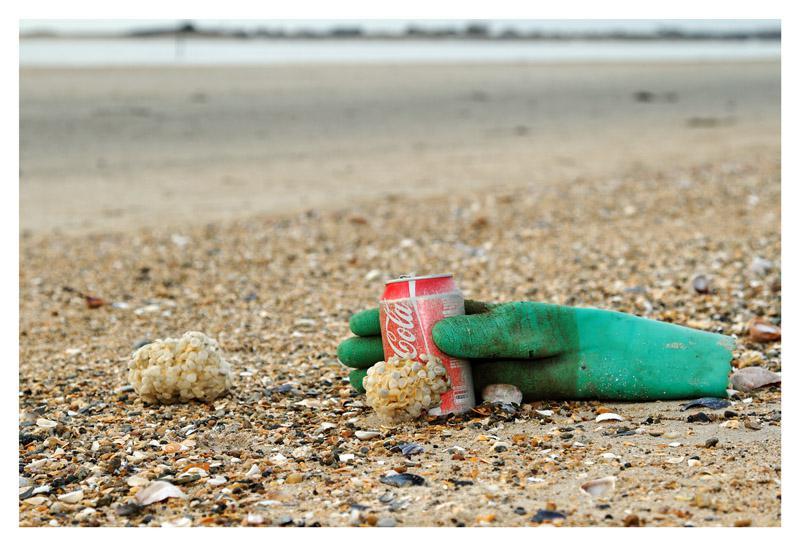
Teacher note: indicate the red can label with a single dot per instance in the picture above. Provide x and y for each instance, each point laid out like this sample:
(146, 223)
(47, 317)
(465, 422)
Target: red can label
(409, 309)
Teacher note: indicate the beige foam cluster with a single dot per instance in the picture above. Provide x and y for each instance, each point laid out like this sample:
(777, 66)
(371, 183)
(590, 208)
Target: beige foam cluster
(401, 389)
(178, 370)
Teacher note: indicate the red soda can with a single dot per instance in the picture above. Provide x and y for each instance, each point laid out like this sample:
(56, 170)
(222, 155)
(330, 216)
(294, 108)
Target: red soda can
(409, 308)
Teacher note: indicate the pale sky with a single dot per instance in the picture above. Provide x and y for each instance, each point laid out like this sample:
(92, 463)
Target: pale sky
(122, 25)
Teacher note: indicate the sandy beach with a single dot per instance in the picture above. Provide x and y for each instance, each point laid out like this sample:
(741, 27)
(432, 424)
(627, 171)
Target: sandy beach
(264, 206)
(120, 148)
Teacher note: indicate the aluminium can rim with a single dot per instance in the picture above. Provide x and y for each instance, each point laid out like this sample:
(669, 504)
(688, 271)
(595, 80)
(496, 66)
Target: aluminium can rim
(416, 278)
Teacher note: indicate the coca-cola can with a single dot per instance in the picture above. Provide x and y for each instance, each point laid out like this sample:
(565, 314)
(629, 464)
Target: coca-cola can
(409, 308)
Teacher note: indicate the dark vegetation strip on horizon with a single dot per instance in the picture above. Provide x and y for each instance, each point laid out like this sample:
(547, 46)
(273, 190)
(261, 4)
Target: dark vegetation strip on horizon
(472, 31)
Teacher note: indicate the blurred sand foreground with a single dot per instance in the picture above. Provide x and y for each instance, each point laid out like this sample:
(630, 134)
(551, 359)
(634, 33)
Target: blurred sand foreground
(121, 148)
(606, 186)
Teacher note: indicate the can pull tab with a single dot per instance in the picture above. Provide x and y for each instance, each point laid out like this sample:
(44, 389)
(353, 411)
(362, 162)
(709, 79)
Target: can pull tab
(408, 275)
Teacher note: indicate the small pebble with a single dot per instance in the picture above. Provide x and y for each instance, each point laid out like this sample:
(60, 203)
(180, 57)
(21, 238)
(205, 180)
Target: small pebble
(483, 519)
(698, 417)
(701, 284)
(294, 478)
(499, 447)
(547, 515)
(631, 520)
(762, 330)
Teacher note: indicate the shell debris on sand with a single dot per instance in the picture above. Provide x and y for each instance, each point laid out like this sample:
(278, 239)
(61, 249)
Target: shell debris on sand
(97, 436)
(601, 487)
(178, 370)
(402, 389)
(158, 491)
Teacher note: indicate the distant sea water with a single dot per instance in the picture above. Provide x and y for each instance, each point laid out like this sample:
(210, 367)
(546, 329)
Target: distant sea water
(197, 51)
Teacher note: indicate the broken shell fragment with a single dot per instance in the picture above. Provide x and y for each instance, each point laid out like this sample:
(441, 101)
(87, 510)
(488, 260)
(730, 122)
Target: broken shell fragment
(158, 491)
(502, 392)
(754, 377)
(404, 479)
(763, 330)
(137, 481)
(72, 497)
(600, 487)
(712, 403)
(367, 434)
(608, 417)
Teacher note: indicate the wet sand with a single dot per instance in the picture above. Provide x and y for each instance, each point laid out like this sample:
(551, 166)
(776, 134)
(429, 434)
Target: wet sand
(118, 149)
(635, 196)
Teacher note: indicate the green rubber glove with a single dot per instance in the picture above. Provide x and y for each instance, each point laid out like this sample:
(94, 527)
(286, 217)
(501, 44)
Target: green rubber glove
(552, 352)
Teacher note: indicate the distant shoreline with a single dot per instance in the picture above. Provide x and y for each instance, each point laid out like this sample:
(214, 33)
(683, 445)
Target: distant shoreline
(413, 34)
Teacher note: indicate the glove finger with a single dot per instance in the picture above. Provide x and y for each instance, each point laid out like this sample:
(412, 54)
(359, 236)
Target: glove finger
(357, 380)
(360, 352)
(366, 323)
(554, 378)
(511, 330)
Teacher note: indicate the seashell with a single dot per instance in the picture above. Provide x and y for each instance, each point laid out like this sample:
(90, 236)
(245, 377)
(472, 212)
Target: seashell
(254, 519)
(754, 377)
(760, 266)
(253, 472)
(72, 497)
(217, 480)
(502, 392)
(547, 515)
(713, 403)
(137, 481)
(158, 491)
(410, 449)
(608, 417)
(367, 434)
(763, 330)
(404, 479)
(600, 487)
(46, 423)
(278, 458)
